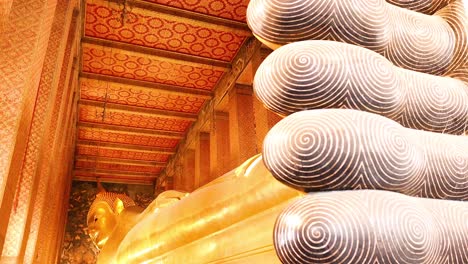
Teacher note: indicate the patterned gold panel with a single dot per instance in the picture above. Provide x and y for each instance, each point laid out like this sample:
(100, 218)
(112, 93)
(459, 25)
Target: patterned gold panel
(94, 114)
(229, 9)
(23, 47)
(138, 96)
(144, 67)
(156, 30)
(111, 136)
(116, 166)
(120, 154)
(35, 147)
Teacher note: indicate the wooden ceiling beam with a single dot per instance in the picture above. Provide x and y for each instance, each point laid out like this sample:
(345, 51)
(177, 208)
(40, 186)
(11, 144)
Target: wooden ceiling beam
(123, 180)
(143, 131)
(217, 64)
(124, 146)
(224, 86)
(265, 51)
(120, 161)
(178, 12)
(177, 90)
(137, 109)
(114, 173)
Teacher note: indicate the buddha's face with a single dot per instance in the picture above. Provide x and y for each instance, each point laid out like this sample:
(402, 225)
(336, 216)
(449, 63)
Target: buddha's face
(101, 223)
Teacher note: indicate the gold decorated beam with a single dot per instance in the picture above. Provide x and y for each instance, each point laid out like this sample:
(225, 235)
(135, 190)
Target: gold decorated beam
(113, 179)
(194, 16)
(157, 52)
(91, 172)
(137, 109)
(126, 138)
(99, 151)
(142, 131)
(125, 146)
(87, 171)
(120, 161)
(173, 89)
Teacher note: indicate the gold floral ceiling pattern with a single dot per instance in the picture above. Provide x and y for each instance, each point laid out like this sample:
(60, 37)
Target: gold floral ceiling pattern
(139, 66)
(161, 31)
(119, 93)
(113, 136)
(231, 9)
(147, 70)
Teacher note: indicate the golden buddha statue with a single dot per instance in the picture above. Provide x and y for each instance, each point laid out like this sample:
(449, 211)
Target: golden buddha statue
(105, 225)
(194, 226)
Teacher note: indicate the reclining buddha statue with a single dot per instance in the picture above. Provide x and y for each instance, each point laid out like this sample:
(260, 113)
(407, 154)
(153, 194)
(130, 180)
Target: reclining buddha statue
(369, 164)
(200, 227)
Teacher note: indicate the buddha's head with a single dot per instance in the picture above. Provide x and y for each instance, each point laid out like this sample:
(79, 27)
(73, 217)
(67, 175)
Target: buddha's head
(103, 215)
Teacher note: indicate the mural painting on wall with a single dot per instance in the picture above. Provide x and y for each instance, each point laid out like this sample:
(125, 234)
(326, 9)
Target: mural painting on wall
(78, 247)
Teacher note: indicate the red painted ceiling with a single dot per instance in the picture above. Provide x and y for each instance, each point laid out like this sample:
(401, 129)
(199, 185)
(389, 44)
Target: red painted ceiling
(148, 67)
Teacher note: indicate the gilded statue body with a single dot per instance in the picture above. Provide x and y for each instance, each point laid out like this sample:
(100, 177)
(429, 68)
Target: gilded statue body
(197, 225)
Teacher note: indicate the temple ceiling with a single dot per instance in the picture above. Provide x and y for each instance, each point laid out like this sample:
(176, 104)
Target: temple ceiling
(148, 70)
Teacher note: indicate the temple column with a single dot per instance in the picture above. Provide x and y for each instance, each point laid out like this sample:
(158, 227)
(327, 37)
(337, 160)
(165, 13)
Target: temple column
(169, 183)
(219, 145)
(188, 170)
(5, 7)
(264, 121)
(202, 159)
(36, 143)
(23, 44)
(62, 142)
(243, 143)
(261, 118)
(177, 175)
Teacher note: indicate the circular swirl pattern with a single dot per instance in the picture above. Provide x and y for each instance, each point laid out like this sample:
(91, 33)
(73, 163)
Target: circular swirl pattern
(155, 30)
(338, 149)
(422, 6)
(325, 74)
(408, 39)
(371, 227)
(323, 150)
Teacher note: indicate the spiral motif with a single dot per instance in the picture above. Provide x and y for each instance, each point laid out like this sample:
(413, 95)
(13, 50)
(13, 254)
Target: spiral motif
(389, 71)
(368, 226)
(408, 39)
(325, 74)
(422, 6)
(339, 149)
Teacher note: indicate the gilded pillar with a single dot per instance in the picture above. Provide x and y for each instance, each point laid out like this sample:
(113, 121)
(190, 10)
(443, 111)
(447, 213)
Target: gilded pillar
(219, 145)
(36, 143)
(177, 174)
(24, 41)
(60, 143)
(169, 183)
(5, 7)
(264, 121)
(241, 124)
(202, 159)
(188, 171)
